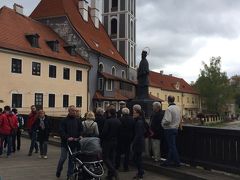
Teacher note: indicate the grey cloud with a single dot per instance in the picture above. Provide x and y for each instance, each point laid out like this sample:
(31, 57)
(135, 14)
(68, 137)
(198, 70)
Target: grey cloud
(171, 28)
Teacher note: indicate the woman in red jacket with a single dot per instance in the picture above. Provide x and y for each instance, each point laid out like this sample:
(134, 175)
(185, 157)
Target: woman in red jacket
(8, 124)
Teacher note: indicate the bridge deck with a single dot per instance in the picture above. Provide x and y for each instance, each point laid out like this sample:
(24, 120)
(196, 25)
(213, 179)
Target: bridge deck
(19, 166)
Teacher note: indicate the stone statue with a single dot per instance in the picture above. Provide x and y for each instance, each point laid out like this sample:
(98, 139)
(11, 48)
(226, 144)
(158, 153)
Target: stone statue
(142, 77)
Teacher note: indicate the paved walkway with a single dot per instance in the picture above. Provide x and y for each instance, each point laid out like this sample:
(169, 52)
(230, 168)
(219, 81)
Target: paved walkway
(22, 167)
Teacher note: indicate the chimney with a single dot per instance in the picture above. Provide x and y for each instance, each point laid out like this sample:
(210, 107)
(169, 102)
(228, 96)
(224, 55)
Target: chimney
(95, 6)
(18, 8)
(161, 72)
(170, 74)
(83, 9)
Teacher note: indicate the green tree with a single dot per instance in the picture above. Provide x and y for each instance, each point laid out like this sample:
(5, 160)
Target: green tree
(213, 86)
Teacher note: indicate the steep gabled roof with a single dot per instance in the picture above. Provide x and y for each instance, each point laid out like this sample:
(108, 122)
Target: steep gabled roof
(170, 83)
(96, 39)
(14, 28)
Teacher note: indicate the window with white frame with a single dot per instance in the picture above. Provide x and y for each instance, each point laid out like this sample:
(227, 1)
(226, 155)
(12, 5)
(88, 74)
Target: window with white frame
(113, 71)
(100, 67)
(114, 24)
(109, 85)
(100, 84)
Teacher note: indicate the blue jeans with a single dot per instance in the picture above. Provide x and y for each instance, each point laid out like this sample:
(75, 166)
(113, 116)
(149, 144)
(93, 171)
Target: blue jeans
(34, 144)
(8, 139)
(62, 159)
(173, 157)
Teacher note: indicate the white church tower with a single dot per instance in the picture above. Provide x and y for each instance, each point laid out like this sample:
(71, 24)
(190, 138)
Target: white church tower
(119, 20)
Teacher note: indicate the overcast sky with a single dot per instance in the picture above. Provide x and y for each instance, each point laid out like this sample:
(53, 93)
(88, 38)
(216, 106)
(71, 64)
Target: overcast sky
(181, 34)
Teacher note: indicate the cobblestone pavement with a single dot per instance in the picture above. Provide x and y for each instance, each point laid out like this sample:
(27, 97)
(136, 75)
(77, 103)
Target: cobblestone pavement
(19, 166)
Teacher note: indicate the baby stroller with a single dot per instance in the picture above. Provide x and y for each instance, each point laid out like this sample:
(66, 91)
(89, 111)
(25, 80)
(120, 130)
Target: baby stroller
(87, 161)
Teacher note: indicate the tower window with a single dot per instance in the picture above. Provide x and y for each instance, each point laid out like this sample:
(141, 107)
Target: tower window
(114, 27)
(114, 5)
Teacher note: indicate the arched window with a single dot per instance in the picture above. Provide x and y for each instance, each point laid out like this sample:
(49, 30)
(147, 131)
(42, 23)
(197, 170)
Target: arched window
(100, 67)
(114, 26)
(123, 74)
(114, 4)
(113, 71)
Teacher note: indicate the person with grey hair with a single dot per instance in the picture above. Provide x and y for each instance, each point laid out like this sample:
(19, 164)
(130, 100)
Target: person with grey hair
(170, 123)
(157, 129)
(138, 140)
(125, 139)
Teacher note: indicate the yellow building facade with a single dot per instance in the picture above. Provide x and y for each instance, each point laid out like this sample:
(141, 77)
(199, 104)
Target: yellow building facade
(186, 98)
(39, 68)
(39, 89)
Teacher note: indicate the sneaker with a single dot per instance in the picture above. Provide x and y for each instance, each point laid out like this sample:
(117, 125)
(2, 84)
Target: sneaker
(29, 154)
(40, 156)
(36, 151)
(45, 157)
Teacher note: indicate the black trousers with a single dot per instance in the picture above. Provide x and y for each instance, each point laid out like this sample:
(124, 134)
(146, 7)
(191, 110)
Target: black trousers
(137, 158)
(109, 153)
(123, 148)
(19, 133)
(14, 137)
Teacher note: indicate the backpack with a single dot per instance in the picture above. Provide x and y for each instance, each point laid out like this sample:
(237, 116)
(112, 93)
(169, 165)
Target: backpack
(20, 121)
(88, 131)
(148, 132)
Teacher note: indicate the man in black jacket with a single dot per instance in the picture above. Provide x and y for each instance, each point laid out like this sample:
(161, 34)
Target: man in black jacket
(158, 132)
(70, 130)
(125, 138)
(110, 135)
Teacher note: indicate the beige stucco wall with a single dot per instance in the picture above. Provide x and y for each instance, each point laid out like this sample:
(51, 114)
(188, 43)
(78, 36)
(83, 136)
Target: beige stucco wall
(28, 84)
(187, 107)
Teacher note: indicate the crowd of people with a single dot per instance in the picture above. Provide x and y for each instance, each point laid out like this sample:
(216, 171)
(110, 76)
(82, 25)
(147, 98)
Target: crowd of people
(11, 127)
(122, 134)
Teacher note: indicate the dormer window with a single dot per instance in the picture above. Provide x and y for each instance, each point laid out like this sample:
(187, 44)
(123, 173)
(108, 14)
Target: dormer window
(54, 45)
(33, 40)
(177, 86)
(71, 50)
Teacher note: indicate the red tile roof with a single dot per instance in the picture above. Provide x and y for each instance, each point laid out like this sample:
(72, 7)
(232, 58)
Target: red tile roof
(169, 83)
(117, 97)
(87, 30)
(14, 27)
